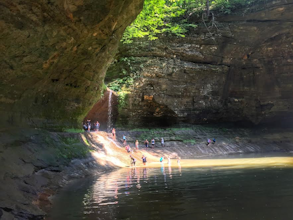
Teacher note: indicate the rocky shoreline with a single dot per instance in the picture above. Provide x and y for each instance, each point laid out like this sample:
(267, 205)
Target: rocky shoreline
(33, 166)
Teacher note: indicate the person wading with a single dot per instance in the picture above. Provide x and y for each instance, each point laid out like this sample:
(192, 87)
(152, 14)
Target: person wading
(133, 160)
(144, 160)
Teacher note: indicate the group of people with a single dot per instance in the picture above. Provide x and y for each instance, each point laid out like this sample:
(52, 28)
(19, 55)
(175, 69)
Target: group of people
(133, 160)
(144, 160)
(209, 141)
(89, 126)
(146, 142)
(169, 160)
(136, 144)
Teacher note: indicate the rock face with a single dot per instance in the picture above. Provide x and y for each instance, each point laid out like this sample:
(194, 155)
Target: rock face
(239, 70)
(54, 55)
(100, 112)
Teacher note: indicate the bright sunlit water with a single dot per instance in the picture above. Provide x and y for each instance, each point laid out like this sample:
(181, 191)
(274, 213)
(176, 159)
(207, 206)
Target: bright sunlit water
(251, 193)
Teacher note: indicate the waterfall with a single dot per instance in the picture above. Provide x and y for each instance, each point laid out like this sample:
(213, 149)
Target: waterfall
(109, 125)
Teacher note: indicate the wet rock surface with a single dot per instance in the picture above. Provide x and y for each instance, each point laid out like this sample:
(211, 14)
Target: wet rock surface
(100, 111)
(191, 142)
(239, 71)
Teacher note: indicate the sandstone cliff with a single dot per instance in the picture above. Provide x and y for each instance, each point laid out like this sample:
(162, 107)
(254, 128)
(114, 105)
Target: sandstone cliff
(239, 70)
(54, 55)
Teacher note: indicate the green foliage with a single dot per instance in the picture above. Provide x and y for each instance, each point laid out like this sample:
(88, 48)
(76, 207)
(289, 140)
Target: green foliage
(73, 130)
(180, 129)
(127, 75)
(86, 142)
(72, 148)
(118, 84)
(169, 16)
(156, 18)
(140, 129)
(123, 95)
(191, 141)
(227, 7)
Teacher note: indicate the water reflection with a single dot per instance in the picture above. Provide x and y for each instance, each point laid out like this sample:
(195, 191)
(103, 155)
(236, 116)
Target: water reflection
(176, 192)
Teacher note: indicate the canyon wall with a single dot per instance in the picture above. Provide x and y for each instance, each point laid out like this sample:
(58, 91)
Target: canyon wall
(54, 55)
(237, 69)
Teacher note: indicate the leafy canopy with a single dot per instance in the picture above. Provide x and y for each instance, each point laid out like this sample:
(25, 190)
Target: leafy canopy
(157, 17)
(170, 16)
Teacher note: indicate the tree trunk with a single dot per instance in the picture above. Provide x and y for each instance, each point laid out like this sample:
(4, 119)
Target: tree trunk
(208, 8)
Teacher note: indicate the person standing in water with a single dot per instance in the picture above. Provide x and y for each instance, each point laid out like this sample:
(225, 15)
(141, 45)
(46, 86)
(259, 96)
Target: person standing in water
(162, 159)
(169, 161)
(133, 160)
(144, 160)
(178, 161)
(136, 144)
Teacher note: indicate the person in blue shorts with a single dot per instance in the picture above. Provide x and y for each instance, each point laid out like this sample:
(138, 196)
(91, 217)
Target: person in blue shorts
(146, 143)
(144, 159)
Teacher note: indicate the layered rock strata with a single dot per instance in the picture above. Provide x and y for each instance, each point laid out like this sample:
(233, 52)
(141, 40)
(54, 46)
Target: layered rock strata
(238, 69)
(54, 55)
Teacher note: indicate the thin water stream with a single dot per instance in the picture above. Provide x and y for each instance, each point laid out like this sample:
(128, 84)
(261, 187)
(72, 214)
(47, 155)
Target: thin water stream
(244, 192)
(109, 124)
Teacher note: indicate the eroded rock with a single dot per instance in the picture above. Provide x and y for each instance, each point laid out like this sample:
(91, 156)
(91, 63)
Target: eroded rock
(239, 71)
(54, 55)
